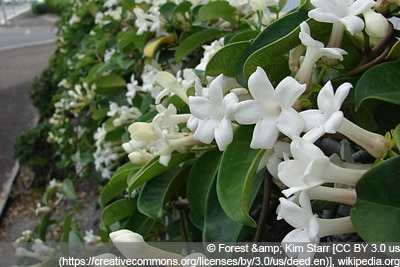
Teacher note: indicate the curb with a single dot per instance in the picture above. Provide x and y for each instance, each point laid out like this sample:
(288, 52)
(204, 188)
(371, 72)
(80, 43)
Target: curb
(7, 186)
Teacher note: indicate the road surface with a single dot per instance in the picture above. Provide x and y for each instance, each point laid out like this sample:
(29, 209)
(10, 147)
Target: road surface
(25, 49)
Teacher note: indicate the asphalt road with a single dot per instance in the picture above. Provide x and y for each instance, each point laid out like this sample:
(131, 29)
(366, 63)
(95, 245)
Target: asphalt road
(22, 57)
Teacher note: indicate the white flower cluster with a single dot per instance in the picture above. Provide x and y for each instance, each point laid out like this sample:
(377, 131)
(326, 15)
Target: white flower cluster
(217, 108)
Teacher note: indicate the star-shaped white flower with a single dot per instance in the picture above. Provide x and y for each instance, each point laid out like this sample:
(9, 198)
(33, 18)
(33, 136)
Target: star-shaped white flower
(271, 110)
(328, 117)
(341, 11)
(214, 114)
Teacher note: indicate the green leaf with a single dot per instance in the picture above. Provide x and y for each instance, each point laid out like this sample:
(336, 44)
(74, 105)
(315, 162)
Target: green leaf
(200, 180)
(139, 223)
(157, 192)
(66, 228)
(110, 84)
(397, 135)
(167, 10)
(227, 59)
(194, 41)
(154, 168)
(276, 39)
(216, 10)
(394, 53)
(379, 82)
(117, 183)
(68, 190)
(218, 227)
(247, 35)
(237, 174)
(117, 211)
(377, 209)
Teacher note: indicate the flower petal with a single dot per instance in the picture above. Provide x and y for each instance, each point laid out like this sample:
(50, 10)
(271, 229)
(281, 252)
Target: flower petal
(223, 134)
(265, 134)
(201, 107)
(215, 92)
(304, 150)
(259, 85)
(290, 123)
(291, 171)
(288, 91)
(333, 123)
(293, 214)
(352, 23)
(249, 112)
(312, 118)
(341, 94)
(205, 130)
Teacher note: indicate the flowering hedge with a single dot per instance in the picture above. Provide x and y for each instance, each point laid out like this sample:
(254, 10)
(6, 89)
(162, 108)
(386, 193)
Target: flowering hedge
(221, 120)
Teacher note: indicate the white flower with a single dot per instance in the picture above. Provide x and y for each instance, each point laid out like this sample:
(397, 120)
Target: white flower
(310, 168)
(328, 117)
(315, 50)
(215, 113)
(170, 84)
(309, 228)
(271, 110)
(341, 11)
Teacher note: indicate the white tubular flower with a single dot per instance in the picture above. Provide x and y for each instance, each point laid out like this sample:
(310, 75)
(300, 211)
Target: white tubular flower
(215, 114)
(309, 228)
(342, 13)
(315, 50)
(139, 156)
(347, 196)
(376, 25)
(170, 85)
(329, 119)
(133, 246)
(271, 110)
(143, 132)
(310, 168)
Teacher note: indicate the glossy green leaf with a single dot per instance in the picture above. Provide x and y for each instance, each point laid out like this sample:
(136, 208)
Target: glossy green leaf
(153, 169)
(200, 180)
(117, 183)
(194, 41)
(286, 28)
(139, 223)
(227, 59)
(218, 227)
(397, 135)
(273, 57)
(377, 209)
(394, 53)
(241, 36)
(110, 84)
(379, 82)
(157, 192)
(66, 227)
(217, 10)
(117, 211)
(167, 10)
(237, 174)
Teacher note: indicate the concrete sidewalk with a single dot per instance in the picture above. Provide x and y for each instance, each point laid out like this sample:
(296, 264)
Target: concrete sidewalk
(20, 61)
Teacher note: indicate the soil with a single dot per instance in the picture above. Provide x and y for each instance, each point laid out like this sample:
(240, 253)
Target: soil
(19, 214)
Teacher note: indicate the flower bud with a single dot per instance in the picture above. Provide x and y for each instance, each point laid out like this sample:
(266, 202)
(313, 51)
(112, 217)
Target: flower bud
(376, 25)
